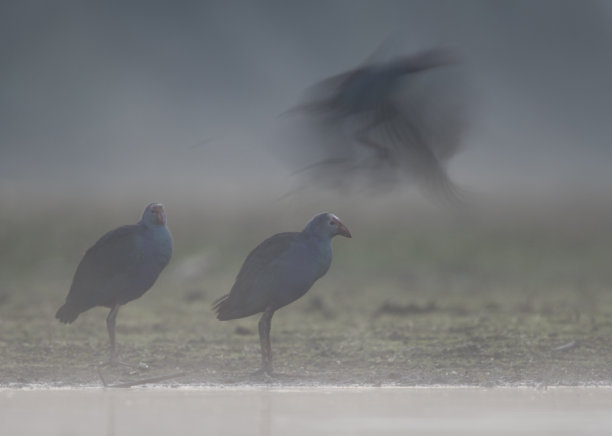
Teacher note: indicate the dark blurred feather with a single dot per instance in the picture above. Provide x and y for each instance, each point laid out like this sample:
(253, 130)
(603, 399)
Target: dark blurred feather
(387, 122)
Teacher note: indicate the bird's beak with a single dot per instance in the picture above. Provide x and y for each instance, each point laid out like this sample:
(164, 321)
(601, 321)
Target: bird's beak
(159, 213)
(343, 230)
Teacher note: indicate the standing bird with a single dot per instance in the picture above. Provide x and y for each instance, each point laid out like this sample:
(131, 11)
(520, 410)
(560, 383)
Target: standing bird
(119, 268)
(279, 271)
(385, 121)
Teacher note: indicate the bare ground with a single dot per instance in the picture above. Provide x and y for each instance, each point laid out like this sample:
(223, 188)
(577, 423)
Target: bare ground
(497, 297)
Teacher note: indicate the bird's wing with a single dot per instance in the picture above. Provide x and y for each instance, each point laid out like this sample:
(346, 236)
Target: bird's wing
(416, 154)
(425, 60)
(269, 251)
(112, 256)
(265, 253)
(239, 302)
(320, 96)
(333, 83)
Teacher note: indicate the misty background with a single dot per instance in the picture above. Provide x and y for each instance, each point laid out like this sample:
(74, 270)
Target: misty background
(185, 96)
(108, 106)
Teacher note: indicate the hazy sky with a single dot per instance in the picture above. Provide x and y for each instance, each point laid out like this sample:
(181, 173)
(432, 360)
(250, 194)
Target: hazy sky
(98, 91)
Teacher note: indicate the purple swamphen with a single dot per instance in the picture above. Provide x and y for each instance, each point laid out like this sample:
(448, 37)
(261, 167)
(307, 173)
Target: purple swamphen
(279, 271)
(119, 268)
(387, 121)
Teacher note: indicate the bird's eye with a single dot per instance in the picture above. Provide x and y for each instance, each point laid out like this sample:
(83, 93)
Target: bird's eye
(332, 223)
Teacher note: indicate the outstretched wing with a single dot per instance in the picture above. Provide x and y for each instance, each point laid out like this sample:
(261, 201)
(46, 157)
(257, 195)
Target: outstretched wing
(383, 123)
(416, 154)
(321, 97)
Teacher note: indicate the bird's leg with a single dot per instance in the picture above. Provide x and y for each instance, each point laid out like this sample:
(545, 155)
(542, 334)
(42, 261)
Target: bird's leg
(265, 324)
(110, 327)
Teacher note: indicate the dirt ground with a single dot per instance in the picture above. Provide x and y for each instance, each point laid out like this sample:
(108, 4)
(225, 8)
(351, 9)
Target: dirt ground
(511, 294)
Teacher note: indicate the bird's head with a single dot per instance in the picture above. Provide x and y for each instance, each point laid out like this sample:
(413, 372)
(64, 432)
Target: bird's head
(154, 214)
(327, 224)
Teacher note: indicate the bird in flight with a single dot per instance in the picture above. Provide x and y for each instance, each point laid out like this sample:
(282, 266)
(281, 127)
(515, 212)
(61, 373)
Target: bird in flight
(387, 121)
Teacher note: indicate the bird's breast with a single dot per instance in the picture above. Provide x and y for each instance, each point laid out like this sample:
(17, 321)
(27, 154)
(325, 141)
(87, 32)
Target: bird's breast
(311, 260)
(156, 249)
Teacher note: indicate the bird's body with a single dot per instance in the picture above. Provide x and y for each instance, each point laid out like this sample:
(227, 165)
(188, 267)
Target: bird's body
(120, 267)
(279, 271)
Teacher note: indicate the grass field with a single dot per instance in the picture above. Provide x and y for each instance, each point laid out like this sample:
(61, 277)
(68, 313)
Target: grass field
(508, 292)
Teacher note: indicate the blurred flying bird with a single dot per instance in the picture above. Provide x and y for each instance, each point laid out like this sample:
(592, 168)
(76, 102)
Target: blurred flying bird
(279, 271)
(119, 268)
(383, 121)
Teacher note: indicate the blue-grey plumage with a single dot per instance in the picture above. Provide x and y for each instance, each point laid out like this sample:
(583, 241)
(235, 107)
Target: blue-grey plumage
(279, 271)
(120, 267)
(372, 128)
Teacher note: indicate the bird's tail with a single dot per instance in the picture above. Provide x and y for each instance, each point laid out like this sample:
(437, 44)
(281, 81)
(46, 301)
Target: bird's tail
(67, 313)
(221, 307)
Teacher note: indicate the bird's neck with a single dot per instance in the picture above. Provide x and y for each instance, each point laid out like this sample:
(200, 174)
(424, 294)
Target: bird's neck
(322, 242)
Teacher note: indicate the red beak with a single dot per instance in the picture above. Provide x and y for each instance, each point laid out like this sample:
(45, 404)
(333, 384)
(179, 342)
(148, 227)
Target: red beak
(159, 213)
(343, 230)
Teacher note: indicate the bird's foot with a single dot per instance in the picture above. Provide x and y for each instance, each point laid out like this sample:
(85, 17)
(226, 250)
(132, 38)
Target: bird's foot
(263, 372)
(114, 362)
(269, 374)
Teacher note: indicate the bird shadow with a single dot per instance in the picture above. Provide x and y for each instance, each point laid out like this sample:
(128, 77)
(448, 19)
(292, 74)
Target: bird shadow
(261, 376)
(132, 370)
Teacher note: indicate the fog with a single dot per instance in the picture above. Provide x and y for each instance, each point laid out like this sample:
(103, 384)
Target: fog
(180, 96)
(106, 106)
